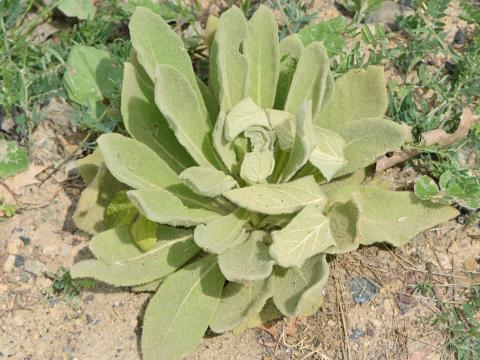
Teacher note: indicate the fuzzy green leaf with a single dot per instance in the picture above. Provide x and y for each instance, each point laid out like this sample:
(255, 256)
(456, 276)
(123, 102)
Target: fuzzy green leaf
(304, 143)
(90, 75)
(357, 94)
(275, 199)
(225, 149)
(145, 122)
(157, 44)
(284, 125)
(186, 114)
(222, 233)
(210, 100)
(327, 156)
(165, 208)
(144, 233)
(240, 302)
(228, 65)
(120, 211)
(290, 50)
(182, 309)
(368, 139)
(248, 261)
(13, 158)
(257, 166)
(242, 116)
(312, 80)
(88, 166)
(262, 53)
(90, 210)
(81, 9)
(396, 217)
(134, 163)
(343, 225)
(121, 263)
(207, 181)
(308, 234)
(299, 290)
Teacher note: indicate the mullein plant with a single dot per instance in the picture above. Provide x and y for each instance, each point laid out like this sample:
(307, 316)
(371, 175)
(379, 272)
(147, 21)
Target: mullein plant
(226, 199)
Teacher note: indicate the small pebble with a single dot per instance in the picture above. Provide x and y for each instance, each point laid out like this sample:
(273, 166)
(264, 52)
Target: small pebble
(35, 267)
(8, 265)
(88, 299)
(26, 240)
(459, 37)
(363, 290)
(331, 323)
(356, 333)
(19, 261)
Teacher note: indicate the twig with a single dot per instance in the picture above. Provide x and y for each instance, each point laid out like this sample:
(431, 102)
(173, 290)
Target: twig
(346, 345)
(66, 160)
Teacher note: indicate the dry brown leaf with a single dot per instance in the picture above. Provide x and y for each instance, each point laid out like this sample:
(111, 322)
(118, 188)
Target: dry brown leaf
(433, 137)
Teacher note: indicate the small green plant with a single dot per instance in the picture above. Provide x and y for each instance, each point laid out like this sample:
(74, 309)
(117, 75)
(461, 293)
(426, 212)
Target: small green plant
(231, 195)
(6, 210)
(461, 326)
(63, 284)
(13, 158)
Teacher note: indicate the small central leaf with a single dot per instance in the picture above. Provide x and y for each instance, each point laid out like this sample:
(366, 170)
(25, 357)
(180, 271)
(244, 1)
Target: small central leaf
(276, 199)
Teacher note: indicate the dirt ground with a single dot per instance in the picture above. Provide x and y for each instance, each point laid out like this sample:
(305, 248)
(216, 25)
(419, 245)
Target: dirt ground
(104, 322)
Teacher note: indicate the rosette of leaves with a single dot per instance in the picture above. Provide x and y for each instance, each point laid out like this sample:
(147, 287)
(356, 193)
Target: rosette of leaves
(225, 199)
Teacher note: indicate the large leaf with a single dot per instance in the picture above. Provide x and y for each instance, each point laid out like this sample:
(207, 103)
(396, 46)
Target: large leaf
(242, 116)
(209, 99)
(304, 143)
(145, 122)
(308, 234)
(275, 199)
(248, 261)
(284, 125)
(299, 290)
(396, 217)
(88, 166)
(90, 75)
(240, 302)
(228, 66)
(312, 80)
(327, 156)
(290, 49)
(207, 181)
(343, 225)
(134, 163)
(222, 233)
(180, 312)
(261, 51)
(368, 139)
(165, 208)
(225, 149)
(357, 94)
(95, 199)
(121, 263)
(186, 114)
(157, 44)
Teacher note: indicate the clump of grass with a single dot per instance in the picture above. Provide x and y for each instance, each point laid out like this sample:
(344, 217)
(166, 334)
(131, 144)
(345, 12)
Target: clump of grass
(461, 326)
